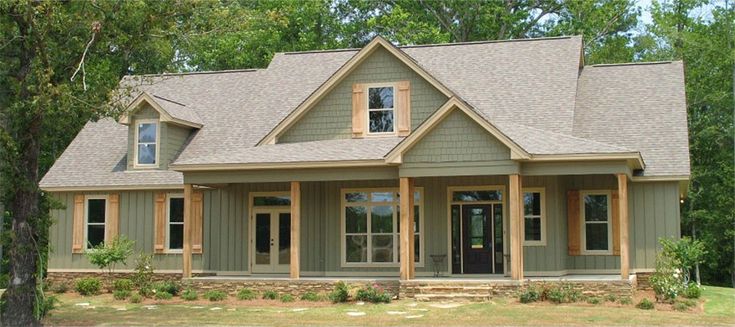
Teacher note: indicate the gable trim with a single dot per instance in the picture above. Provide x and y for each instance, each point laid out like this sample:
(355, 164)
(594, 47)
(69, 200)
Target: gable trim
(165, 116)
(341, 74)
(396, 155)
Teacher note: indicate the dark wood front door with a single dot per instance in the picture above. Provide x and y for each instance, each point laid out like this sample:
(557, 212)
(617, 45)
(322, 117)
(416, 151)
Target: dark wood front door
(477, 235)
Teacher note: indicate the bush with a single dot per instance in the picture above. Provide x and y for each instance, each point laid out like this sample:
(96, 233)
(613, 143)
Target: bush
(189, 295)
(270, 295)
(122, 284)
(163, 295)
(341, 293)
(645, 304)
(48, 303)
(246, 294)
(681, 306)
(168, 286)
(373, 295)
(626, 300)
(60, 288)
(146, 291)
(143, 277)
(215, 295)
(693, 291)
(611, 298)
(594, 300)
(530, 294)
(562, 293)
(310, 296)
(88, 286)
(108, 254)
(136, 298)
(287, 298)
(120, 294)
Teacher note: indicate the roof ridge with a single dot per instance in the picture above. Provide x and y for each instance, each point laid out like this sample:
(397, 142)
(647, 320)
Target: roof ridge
(643, 63)
(206, 72)
(572, 136)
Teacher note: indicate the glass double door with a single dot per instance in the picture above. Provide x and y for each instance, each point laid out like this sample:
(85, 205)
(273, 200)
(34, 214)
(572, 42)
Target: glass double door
(271, 238)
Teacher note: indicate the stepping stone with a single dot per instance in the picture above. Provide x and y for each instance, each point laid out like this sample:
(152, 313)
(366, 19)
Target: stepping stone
(215, 309)
(197, 307)
(299, 309)
(231, 309)
(412, 304)
(360, 303)
(122, 309)
(419, 309)
(150, 307)
(396, 312)
(356, 313)
(82, 304)
(414, 317)
(445, 305)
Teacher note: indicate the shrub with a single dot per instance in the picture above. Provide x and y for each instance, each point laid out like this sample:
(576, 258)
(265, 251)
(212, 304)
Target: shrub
(666, 280)
(530, 294)
(107, 255)
(685, 252)
(143, 277)
(60, 288)
(88, 286)
(340, 293)
(136, 298)
(681, 306)
(626, 300)
(120, 294)
(122, 284)
(163, 295)
(693, 291)
(310, 296)
(270, 295)
(146, 291)
(594, 300)
(168, 286)
(645, 304)
(287, 298)
(189, 295)
(373, 294)
(246, 294)
(562, 293)
(214, 295)
(47, 304)
(611, 298)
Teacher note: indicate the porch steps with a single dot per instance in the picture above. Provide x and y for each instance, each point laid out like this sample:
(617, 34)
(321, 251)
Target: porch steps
(453, 291)
(455, 297)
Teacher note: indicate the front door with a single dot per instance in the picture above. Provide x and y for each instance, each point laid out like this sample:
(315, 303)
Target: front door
(477, 227)
(271, 240)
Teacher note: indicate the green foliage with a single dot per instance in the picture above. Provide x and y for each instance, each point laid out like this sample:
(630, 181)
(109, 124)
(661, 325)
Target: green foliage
(121, 294)
(692, 291)
(189, 295)
(562, 293)
(594, 300)
(270, 295)
(60, 288)
(627, 300)
(136, 298)
(214, 295)
(163, 295)
(88, 286)
(311, 296)
(341, 292)
(373, 294)
(49, 303)
(108, 255)
(143, 276)
(246, 294)
(685, 253)
(611, 298)
(122, 284)
(287, 298)
(673, 265)
(146, 291)
(645, 304)
(168, 286)
(680, 306)
(529, 295)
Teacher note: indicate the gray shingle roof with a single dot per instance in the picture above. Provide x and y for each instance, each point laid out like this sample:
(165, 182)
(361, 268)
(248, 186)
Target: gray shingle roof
(532, 90)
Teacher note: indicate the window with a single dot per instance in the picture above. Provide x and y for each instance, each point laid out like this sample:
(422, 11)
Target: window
(96, 216)
(535, 217)
(175, 222)
(371, 227)
(381, 115)
(146, 143)
(596, 231)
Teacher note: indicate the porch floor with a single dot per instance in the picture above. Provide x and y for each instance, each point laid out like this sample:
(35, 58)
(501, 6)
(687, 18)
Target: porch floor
(463, 278)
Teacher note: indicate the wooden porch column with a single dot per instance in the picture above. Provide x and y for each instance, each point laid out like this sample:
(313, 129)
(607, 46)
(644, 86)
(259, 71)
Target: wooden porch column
(623, 212)
(295, 263)
(186, 255)
(411, 224)
(516, 227)
(406, 185)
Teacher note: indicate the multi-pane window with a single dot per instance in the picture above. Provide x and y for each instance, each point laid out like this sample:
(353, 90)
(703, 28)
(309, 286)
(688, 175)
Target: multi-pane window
(596, 222)
(533, 212)
(96, 216)
(371, 227)
(381, 113)
(146, 143)
(175, 231)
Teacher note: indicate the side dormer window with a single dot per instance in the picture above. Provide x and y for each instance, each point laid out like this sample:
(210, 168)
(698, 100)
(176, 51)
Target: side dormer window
(146, 147)
(381, 112)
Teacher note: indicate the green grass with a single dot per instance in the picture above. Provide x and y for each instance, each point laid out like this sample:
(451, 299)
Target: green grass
(718, 310)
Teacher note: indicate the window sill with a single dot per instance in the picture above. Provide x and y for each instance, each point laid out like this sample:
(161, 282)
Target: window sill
(534, 243)
(596, 253)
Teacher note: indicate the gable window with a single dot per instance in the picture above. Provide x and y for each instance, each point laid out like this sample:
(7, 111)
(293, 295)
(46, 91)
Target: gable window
(596, 222)
(96, 216)
(146, 143)
(535, 217)
(381, 113)
(175, 222)
(371, 227)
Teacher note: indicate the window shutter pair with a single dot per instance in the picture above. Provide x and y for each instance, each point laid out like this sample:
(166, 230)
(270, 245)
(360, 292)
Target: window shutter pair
(401, 104)
(574, 223)
(159, 244)
(112, 221)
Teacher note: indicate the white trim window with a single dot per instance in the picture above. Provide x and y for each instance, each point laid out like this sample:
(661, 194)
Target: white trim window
(371, 227)
(534, 214)
(95, 218)
(147, 134)
(175, 223)
(381, 113)
(596, 219)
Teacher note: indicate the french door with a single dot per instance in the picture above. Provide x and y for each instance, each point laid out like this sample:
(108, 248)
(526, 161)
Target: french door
(271, 240)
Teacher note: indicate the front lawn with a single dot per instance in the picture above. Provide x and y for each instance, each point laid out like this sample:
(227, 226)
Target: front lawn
(718, 309)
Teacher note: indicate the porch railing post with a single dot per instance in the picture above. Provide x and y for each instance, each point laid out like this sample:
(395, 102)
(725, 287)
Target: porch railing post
(405, 187)
(623, 212)
(295, 229)
(516, 227)
(411, 241)
(186, 255)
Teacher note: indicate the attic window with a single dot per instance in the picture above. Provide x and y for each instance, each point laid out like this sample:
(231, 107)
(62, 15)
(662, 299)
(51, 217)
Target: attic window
(146, 146)
(381, 111)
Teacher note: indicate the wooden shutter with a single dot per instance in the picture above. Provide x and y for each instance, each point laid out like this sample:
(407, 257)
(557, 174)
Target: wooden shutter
(403, 108)
(196, 222)
(359, 105)
(573, 223)
(159, 213)
(77, 243)
(112, 224)
(615, 213)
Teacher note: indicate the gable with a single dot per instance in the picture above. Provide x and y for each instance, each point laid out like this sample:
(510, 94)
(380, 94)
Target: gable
(331, 117)
(172, 137)
(457, 138)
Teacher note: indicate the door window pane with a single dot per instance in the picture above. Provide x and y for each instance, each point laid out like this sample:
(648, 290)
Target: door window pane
(474, 196)
(263, 238)
(284, 238)
(284, 200)
(477, 229)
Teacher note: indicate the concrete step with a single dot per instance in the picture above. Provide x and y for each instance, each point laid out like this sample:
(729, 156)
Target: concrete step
(455, 297)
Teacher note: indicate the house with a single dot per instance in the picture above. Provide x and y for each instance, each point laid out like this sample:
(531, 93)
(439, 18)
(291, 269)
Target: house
(508, 159)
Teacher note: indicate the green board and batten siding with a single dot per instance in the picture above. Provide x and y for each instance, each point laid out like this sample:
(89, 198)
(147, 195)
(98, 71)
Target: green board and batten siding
(331, 117)
(172, 137)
